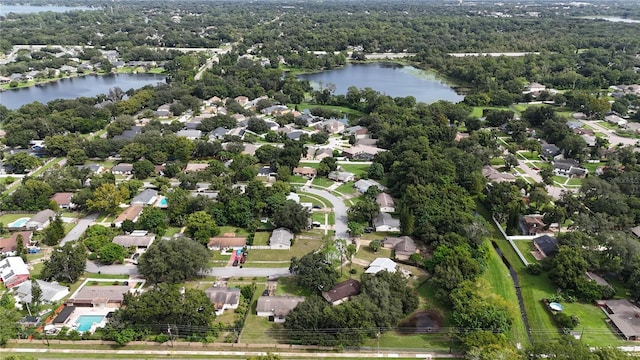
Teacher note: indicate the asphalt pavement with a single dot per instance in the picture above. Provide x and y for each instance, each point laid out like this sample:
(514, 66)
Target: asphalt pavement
(339, 208)
(79, 229)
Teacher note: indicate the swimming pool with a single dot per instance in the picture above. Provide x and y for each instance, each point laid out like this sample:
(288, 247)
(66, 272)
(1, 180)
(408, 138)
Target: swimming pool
(86, 321)
(19, 223)
(163, 202)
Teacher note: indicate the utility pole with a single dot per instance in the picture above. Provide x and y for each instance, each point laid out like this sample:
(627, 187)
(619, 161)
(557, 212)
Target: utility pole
(169, 332)
(378, 337)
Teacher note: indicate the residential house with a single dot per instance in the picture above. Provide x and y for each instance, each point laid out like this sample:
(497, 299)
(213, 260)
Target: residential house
(13, 271)
(190, 134)
(122, 169)
(93, 168)
(281, 239)
(532, 224)
(359, 132)
(163, 111)
(549, 151)
(308, 119)
(575, 124)
(307, 172)
(242, 100)
(223, 298)
(616, 120)
(226, 241)
(383, 222)
(386, 203)
(625, 317)
(460, 136)
(362, 152)
(275, 110)
(331, 126)
(109, 296)
(129, 134)
(295, 134)
(276, 308)
(318, 153)
(403, 246)
(342, 292)
(249, 149)
(193, 167)
(266, 171)
(52, 292)
(40, 220)
(140, 239)
(63, 200)
(9, 245)
(493, 175)
(131, 213)
(363, 185)
(272, 125)
(546, 245)
(636, 231)
(4, 80)
(294, 197)
(218, 133)
(146, 197)
(633, 126)
(534, 88)
(590, 140)
(596, 278)
(569, 168)
(341, 176)
(382, 264)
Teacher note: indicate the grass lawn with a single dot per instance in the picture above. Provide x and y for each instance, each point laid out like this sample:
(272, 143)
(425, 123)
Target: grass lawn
(525, 247)
(559, 179)
(172, 231)
(498, 276)
(497, 161)
(286, 286)
(575, 182)
(37, 269)
(592, 321)
(332, 218)
(365, 253)
(607, 125)
(295, 179)
(593, 166)
(104, 276)
(261, 238)
(233, 230)
(308, 164)
(346, 189)
(322, 181)
(47, 166)
(359, 169)
(319, 217)
(299, 249)
(529, 155)
(477, 110)
(394, 340)
(343, 109)
(314, 199)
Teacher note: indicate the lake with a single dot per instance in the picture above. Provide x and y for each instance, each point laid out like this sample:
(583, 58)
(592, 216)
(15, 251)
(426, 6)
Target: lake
(71, 88)
(391, 79)
(612, 19)
(29, 9)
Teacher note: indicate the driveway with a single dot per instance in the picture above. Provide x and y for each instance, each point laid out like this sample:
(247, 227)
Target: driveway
(246, 272)
(129, 269)
(614, 140)
(339, 208)
(79, 229)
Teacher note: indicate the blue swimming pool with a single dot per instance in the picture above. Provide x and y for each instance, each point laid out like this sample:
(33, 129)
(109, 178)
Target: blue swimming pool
(19, 223)
(163, 202)
(86, 321)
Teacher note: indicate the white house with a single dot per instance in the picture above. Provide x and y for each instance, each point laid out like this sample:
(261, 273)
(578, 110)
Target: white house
(223, 298)
(13, 271)
(52, 292)
(281, 239)
(276, 308)
(382, 264)
(385, 223)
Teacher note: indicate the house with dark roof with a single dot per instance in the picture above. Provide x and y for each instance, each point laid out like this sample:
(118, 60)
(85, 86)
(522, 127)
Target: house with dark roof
(624, 316)
(549, 151)
(546, 245)
(532, 224)
(122, 169)
(493, 175)
(218, 133)
(110, 296)
(129, 134)
(276, 308)
(281, 239)
(403, 246)
(342, 292)
(223, 298)
(63, 200)
(146, 197)
(569, 168)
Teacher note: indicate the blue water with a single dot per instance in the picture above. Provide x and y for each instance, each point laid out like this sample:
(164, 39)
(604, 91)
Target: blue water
(19, 223)
(163, 202)
(28, 9)
(86, 321)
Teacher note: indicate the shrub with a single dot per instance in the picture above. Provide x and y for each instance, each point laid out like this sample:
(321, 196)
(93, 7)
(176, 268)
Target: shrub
(565, 321)
(534, 269)
(161, 338)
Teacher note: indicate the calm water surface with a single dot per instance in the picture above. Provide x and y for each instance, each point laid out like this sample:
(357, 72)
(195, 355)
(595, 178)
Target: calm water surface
(613, 19)
(390, 79)
(28, 9)
(71, 88)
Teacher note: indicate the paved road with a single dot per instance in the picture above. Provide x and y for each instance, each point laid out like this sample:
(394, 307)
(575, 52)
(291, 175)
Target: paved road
(79, 229)
(339, 208)
(614, 140)
(130, 269)
(247, 272)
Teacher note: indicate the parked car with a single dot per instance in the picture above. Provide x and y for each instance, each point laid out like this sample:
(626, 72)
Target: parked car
(317, 207)
(368, 230)
(235, 262)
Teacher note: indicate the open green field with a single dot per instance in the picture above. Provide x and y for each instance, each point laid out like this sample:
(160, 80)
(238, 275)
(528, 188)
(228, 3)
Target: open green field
(346, 189)
(287, 286)
(299, 249)
(359, 169)
(525, 247)
(343, 109)
(322, 182)
(365, 253)
(261, 238)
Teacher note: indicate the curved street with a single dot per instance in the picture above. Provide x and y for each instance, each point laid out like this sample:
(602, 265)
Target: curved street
(339, 208)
